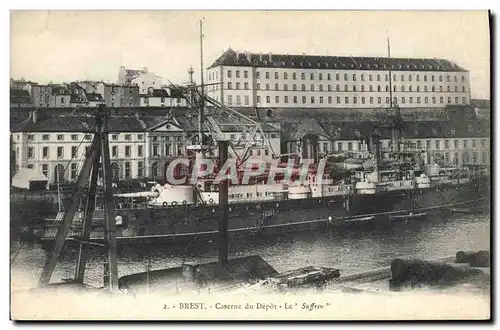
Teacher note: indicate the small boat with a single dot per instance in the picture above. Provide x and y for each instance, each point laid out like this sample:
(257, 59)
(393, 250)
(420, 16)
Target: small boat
(466, 211)
(408, 216)
(360, 219)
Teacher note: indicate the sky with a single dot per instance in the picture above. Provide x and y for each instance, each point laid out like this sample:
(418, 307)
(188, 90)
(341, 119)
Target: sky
(63, 46)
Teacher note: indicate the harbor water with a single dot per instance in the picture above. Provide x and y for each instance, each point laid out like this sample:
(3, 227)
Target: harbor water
(350, 251)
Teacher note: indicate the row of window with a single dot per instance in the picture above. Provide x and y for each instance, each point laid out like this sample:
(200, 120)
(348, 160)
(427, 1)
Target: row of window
(346, 88)
(347, 99)
(74, 152)
(328, 76)
(168, 150)
(114, 137)
(60, 171)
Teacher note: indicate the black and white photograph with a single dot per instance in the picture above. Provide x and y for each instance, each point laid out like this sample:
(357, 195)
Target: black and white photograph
(250, 165)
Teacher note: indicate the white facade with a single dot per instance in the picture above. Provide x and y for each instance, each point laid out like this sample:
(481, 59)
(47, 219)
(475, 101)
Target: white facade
(335, 88)
(142, 78)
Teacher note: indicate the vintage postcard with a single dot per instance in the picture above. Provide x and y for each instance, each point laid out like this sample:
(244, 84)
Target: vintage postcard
(250, 165)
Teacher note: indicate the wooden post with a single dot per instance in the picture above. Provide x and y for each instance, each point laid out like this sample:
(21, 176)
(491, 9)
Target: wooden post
(69, 215)
(224, 205)
(110, 228)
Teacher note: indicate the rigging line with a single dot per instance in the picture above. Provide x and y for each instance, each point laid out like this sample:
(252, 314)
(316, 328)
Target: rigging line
(73, 155)
(17, 252)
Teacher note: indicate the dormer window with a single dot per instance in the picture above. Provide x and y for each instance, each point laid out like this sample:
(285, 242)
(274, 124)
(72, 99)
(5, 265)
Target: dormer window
(470, 128)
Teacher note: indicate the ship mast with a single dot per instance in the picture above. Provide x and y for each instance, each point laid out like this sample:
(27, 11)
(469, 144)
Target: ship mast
(202, 104)
(390, 72)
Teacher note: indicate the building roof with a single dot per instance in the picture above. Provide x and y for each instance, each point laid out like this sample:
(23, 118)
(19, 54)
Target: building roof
(20, 96)
(232, 58)
(25, 176)
(94, 97)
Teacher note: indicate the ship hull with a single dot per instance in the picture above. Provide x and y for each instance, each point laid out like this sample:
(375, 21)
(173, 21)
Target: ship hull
(187, 224)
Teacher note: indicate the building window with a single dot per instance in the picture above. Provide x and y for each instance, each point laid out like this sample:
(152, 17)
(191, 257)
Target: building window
(258, 86)
(45, 137)
(425, 77)
(73, 171)
(320, 88)
(426, 100)
(337, 88)
(402, 78)
(303, 87)
(277, 99)
(428, 144)
(294, 76)
(379, 100)
(484, 157)
(168, 152)
(449, 100)
(286, 99)
(45, 170)
(229, 99)
(74, 151)
(229, 85)
(473, 143)
(433, 78)
(403, 88)
(237, 73)
(321, 99)
(303, 76)
(276, 87)
(60, 137)
(329, 88)
(346, 88)
(409, 77)
(114, 151)
(456, 100)
(426, 89)
(303, 99)
(238, 99)
(362, 88)
(60, 152)
(268, 99)
(362, 77)
(30, 152)
(346, 100)
(311, 76)
(441, 99)
(419, 144)
(387, 88)
(403, 99)
(312, 99)
(329, 100)
(378, 77)
(237, 86)
(447, 144)
(418, 88)
(247, 102)
(285, 76)
(346, 77)
(74, 137)
(246, 85)
(338, 100)
(411, 99)
(329, 76)
(312, 87)
(257, 75)
(114, 137)
(245, 74)
(339, 146)
(387, 100)
(127, 168)
(465, 144)
(354, 77)
(45, 152)
(127, 151)
(455, 144)
(394, 78)
(320, 76)
(433, 99)
(337, 76)
(258, 98)
(267, 75)
(276, 75)
(362, 100)
(229, 73)
(295, 99)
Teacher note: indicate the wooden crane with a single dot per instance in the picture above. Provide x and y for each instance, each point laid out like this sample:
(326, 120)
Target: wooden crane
(96, 158)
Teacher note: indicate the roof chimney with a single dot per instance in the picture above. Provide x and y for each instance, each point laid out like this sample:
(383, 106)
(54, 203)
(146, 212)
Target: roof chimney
(249, 56)
(33, 116)
(260, 57)
(270, 57)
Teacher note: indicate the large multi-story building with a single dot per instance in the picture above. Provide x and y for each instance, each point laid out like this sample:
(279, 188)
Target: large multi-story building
(113, 95)
(298, 81)
(142, 78)
(140, 146)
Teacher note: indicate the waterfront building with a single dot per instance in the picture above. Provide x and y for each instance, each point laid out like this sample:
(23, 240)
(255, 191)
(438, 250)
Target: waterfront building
(244, 79)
